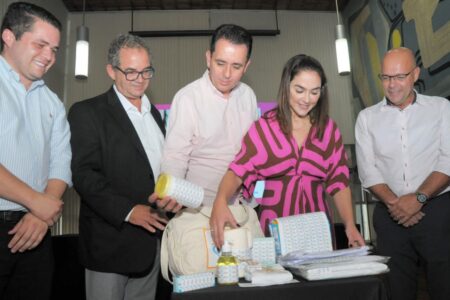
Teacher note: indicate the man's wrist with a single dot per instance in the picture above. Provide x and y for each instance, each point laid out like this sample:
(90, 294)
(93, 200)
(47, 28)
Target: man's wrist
(30, 198)
(391, 201)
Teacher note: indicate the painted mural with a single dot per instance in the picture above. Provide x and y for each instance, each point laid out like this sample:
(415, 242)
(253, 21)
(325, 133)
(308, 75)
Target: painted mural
(376, 26)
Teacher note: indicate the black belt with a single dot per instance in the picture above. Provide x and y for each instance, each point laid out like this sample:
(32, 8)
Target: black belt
(11, 215)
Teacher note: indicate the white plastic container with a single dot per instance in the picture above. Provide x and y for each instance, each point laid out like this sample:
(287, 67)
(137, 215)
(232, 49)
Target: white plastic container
(186, 193)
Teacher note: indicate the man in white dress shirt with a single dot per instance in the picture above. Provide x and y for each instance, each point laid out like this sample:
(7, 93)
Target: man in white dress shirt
(403, 154)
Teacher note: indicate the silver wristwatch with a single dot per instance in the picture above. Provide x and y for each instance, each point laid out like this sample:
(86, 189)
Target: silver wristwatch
(422, 198)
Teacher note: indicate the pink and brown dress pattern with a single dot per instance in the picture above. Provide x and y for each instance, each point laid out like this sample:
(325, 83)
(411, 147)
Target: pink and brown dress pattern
(296, 180)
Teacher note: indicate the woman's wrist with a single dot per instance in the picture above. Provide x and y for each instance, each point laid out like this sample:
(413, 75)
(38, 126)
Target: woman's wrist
(349, 224)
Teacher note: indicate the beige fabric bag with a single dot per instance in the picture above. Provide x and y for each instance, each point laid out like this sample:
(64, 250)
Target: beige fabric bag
(186, 246)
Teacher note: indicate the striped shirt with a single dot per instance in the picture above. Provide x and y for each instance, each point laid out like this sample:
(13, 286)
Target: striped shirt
(34, 133)
(296, 180)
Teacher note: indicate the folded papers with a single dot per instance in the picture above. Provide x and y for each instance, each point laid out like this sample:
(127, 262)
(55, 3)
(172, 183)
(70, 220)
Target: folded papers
(339, 270)
(300, 256)
(344, 263)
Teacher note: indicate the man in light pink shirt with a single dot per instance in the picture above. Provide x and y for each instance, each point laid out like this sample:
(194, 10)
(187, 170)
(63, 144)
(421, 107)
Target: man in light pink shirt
(209, 116)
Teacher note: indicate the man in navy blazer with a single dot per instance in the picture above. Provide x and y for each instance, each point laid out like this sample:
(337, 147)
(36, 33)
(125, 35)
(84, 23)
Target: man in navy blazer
(117, 140)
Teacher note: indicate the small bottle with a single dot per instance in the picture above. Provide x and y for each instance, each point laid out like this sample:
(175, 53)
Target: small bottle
(227, 266)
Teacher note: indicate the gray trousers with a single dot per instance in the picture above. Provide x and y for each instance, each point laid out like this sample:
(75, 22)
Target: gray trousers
(112, 286)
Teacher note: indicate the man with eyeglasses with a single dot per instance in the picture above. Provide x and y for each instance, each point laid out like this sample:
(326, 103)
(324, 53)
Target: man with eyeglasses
(403, 154)
(117, 142)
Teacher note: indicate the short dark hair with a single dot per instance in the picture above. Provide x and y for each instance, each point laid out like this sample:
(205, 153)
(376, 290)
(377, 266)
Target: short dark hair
(319, 114)
(124, 41)
(21, 16)
(233, 33)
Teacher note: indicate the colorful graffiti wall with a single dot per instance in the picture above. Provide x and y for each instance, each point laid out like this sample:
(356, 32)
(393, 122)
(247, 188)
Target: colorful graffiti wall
(376, 26)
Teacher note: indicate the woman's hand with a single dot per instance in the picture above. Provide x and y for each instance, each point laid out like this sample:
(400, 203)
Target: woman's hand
(220, 216)
(354, 237)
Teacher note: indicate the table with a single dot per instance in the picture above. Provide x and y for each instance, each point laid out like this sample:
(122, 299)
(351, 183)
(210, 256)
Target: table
(358, 288)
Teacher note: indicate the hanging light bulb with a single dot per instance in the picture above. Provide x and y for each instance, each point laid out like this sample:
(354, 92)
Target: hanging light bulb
(342, 53)
(82, 50)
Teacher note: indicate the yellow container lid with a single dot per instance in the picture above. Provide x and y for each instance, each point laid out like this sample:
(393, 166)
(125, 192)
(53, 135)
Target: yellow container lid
(162, 185)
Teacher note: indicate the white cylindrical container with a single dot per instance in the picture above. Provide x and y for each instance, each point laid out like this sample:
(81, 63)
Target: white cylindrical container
(186, 193)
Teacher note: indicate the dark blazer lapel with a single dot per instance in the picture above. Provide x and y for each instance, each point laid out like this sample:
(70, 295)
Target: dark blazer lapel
(157, 116)
(124, 121)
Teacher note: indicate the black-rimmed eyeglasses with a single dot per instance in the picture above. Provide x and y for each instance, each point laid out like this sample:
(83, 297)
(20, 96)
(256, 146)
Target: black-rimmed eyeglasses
(133, 74)
(398, 77)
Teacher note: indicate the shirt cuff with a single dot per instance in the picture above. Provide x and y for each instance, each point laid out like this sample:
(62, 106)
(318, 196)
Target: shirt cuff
(127, 219)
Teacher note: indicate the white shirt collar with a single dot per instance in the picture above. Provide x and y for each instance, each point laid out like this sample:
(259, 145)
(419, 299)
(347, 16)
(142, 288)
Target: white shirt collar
(145, 103)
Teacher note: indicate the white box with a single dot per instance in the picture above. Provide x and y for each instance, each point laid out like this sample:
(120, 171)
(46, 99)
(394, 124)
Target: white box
(308, 232)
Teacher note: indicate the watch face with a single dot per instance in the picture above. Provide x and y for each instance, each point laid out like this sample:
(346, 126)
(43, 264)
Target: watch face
(422, 198)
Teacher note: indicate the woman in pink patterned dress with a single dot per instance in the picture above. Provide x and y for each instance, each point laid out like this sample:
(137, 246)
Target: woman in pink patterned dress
(297, 150)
